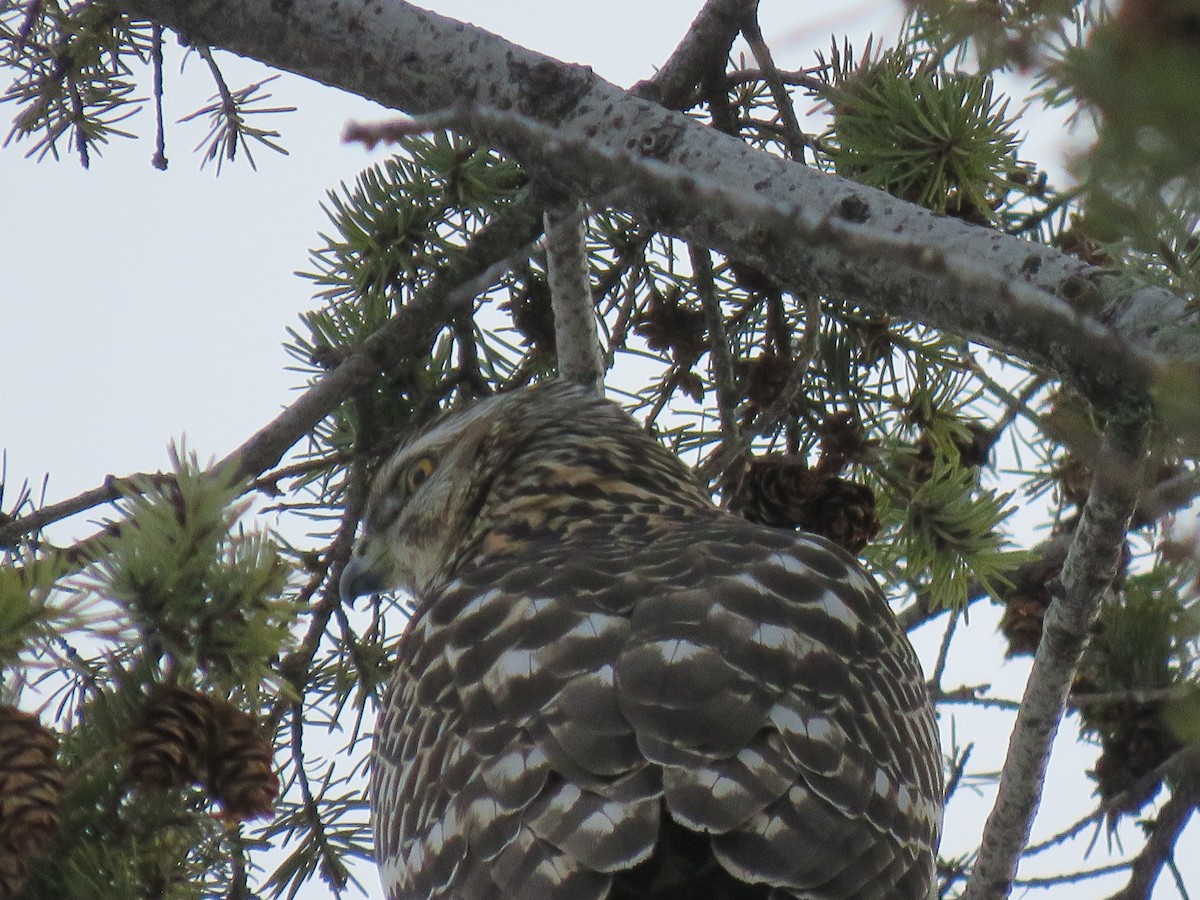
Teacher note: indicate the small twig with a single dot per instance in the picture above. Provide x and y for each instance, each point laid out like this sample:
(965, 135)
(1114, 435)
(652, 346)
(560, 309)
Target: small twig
(159, 160)
(939, 667)
(332, 867)
(718, 343)
(793, 135)
(720, 461)
(1015, 405)
(268, 483)
(239, 876)
(1092, 818)
(798, 78)
(1050, 881)
(1132, 695)
(970, 695)
(79, 117)
(113, 489)
(294, 667)
(957, 771)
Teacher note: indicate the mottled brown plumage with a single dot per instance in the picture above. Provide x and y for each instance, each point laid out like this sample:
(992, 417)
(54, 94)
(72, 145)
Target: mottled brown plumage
(613, 689)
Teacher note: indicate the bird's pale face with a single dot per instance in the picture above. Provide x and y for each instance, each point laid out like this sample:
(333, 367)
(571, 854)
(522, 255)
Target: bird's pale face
(419, 507)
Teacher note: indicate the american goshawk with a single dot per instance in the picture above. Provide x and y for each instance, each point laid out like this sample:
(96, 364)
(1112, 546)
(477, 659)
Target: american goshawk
(611, 688)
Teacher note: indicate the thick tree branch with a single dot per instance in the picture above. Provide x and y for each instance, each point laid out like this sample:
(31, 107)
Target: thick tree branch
(811, 231)
(576, 335)
(1087, 573)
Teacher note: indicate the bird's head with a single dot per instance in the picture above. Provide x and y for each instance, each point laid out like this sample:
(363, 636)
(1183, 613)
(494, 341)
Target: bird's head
(533, 464)
(422, 501)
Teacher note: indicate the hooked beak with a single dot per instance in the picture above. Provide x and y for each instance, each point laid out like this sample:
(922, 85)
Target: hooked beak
(366, 573)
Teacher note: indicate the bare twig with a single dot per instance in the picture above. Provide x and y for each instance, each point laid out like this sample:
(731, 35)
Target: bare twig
(268, 482)
(769, 417)
(1049, 881)
(972, 695)
(939, 666)
(718, 342)
(793, 135)
(1093, 818)
(332, 868)
(958, 768)
(113, 489)
(295, 666)
(800, 78)
(159, 160)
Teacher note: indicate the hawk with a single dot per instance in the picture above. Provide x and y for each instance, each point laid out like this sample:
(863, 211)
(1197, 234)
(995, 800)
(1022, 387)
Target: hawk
(611, 688)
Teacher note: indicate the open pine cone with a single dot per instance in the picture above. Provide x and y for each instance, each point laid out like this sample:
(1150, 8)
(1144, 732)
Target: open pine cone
(31, 784)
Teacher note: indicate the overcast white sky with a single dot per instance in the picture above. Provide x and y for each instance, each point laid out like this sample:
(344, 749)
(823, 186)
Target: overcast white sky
(137, 306)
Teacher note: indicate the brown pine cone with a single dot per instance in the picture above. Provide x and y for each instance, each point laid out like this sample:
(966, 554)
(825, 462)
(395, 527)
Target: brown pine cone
(763, 379)
(1028, 595)
(241, 771)
(31, 784)
(781, 491)
(532, 315)
(843, 441)
(669, 324)
(1022, 621)
(1134, 742)
(169, 746)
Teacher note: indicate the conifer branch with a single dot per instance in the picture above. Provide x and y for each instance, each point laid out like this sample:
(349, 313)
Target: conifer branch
(487, 255)
(113, 489)
(809, 230)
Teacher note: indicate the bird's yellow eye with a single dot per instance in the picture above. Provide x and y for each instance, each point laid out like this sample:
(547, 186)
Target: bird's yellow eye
(418, 472)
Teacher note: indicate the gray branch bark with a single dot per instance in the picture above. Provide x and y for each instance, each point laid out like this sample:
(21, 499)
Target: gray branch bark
(811, 231)
(576, 335)
(1087, 574)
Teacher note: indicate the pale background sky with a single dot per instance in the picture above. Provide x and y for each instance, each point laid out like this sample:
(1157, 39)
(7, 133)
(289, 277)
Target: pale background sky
(137, 306)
